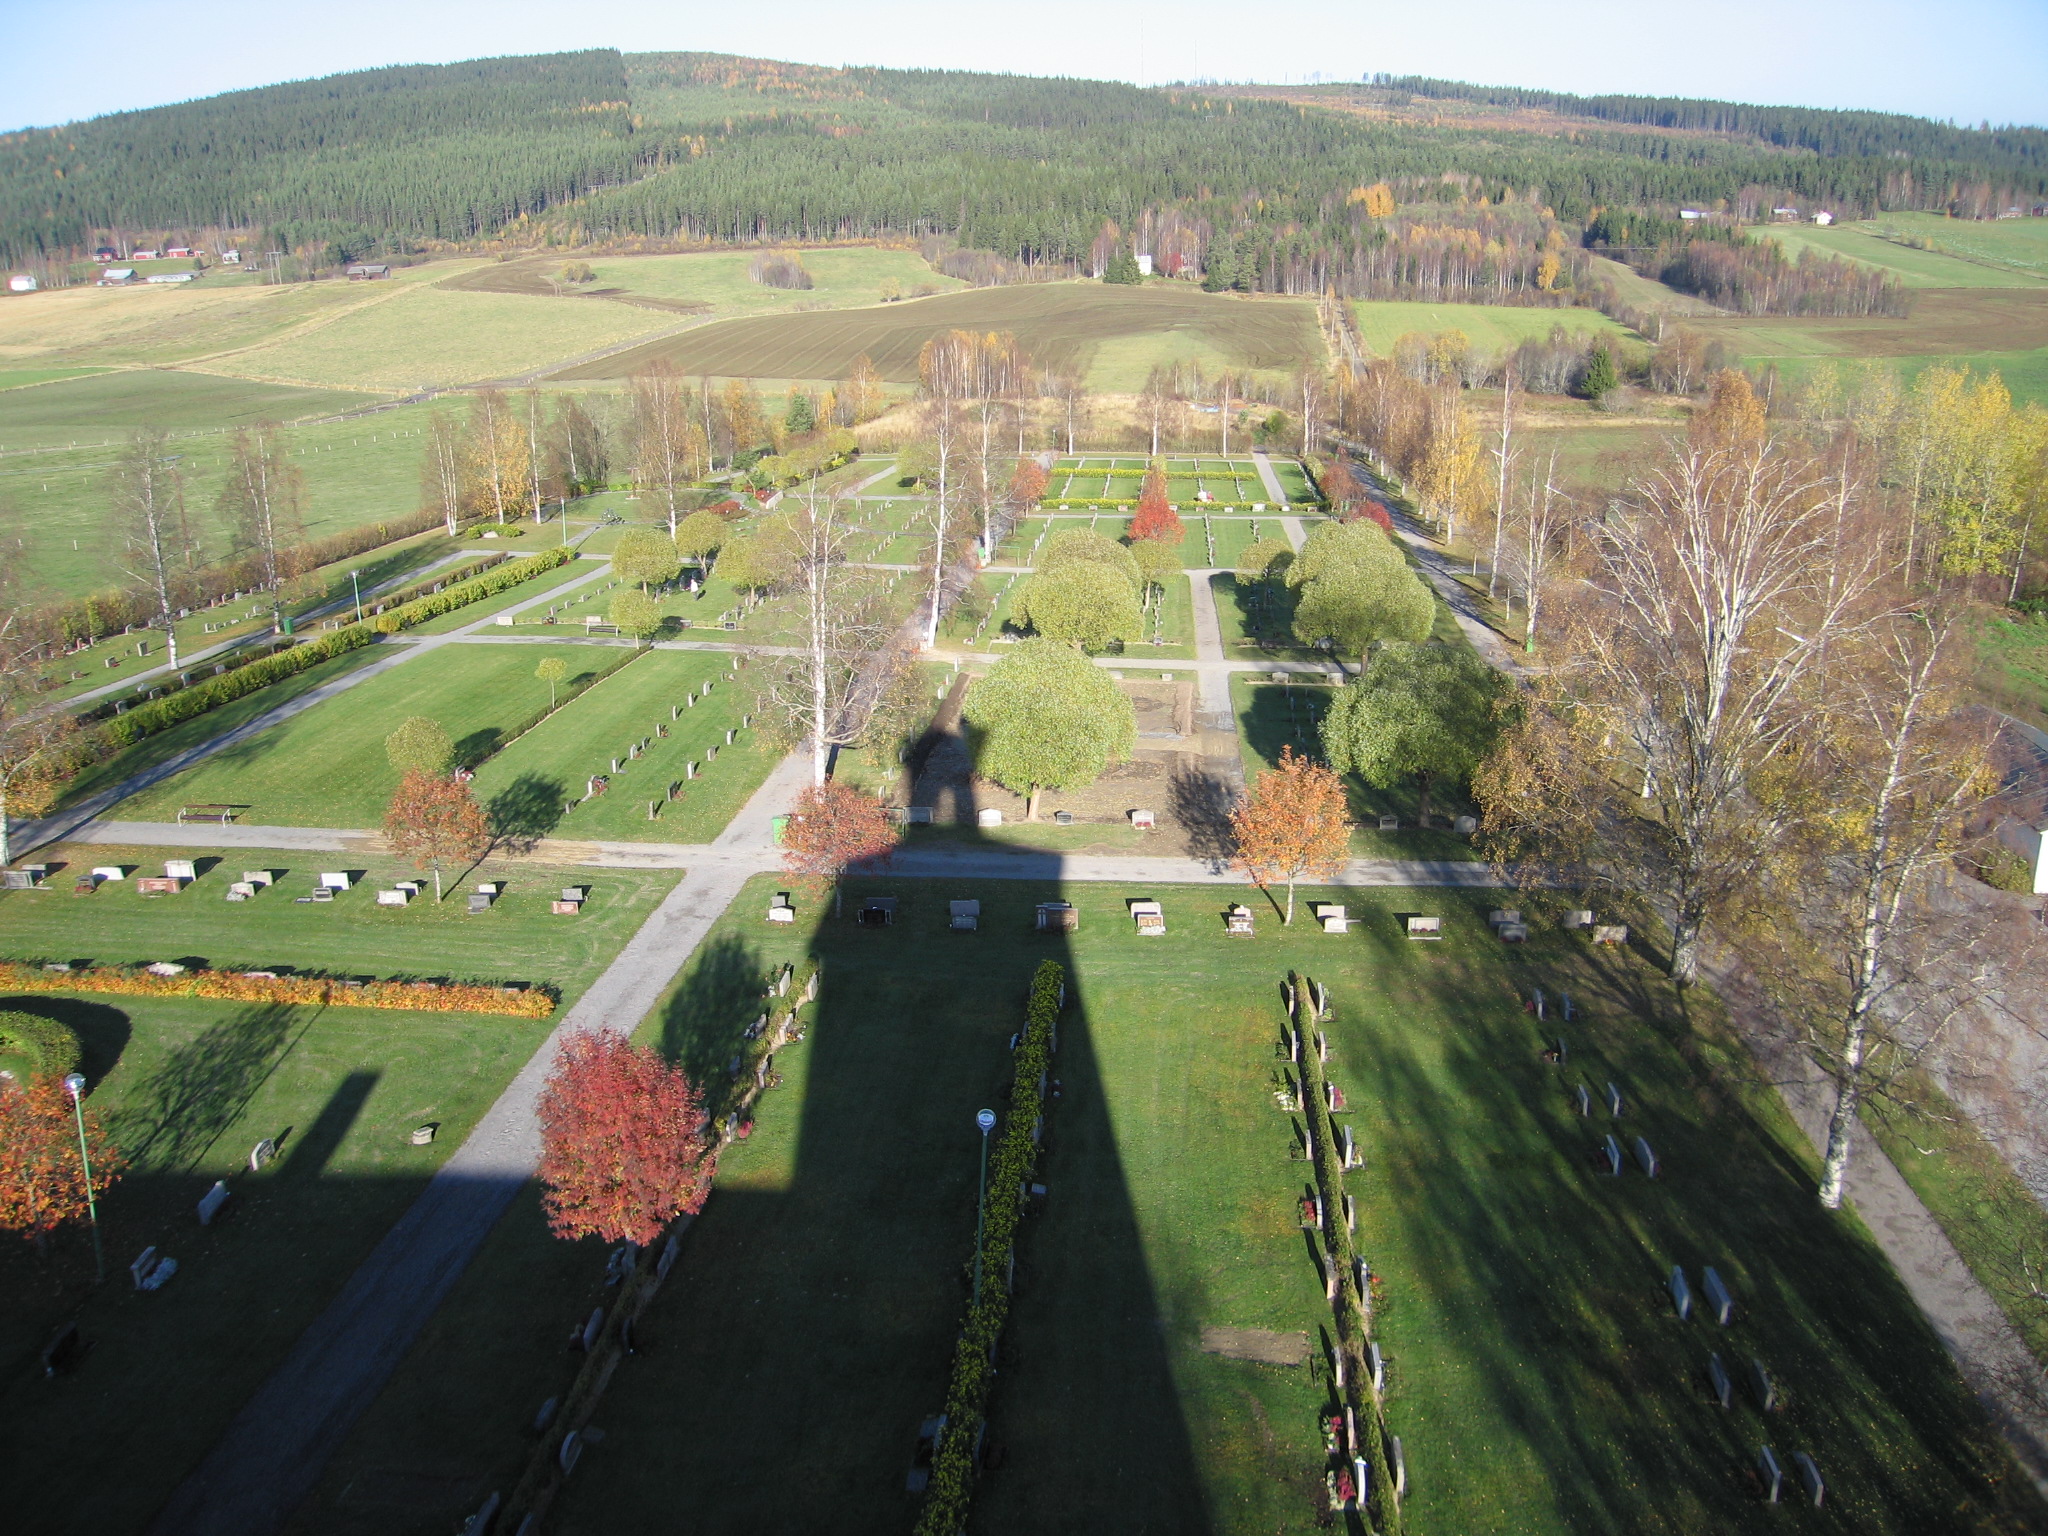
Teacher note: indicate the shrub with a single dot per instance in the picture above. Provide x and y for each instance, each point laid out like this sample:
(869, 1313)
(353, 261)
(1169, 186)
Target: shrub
(241, 987)
(161, 714)
(503, 577)
(51, 1048)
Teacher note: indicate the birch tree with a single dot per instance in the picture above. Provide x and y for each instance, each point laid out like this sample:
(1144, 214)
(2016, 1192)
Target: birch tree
(148, 497)
(262, 499)
(666, 447)
(441, 472)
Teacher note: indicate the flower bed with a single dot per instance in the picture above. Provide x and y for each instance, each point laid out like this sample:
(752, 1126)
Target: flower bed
(247, 987)
(1012, 1161)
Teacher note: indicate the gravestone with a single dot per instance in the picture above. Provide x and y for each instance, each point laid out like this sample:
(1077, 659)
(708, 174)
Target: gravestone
(1329, 1263)
(1350, 1214)
(241, 890)
(728, 737)
(1614, 1101)
(1809, 1476)
(156, 885)
(1565, 1002)
(1718, 1379)
(211, 1202)
(423, 1135)
(1760, 1383)
(1615, 934)
(667, 1261)
(180, 869)
(261, 1153)
(480, 1522)
(570, 1453)
(335, 880)
(689, 771)
(1718, 1296)
(1585, 1100)
(1613, 1150)
(1513, 933)
(1378, 1365)
(711, 752)
(1390, 823)
(1562, 1053)
(1425, 928)
(592, 1328)
(1501, 915)
(109, 872)
(1767, 1469)
(17, 880)
(1350, 1151)
(139, 1270)
(1681, 1293)
(393, 898)
(478, 902)
(1465, 826)
(1646, 1156)
(258, 877)
(1400, 1460)
(988, 816)
(1536, 1001)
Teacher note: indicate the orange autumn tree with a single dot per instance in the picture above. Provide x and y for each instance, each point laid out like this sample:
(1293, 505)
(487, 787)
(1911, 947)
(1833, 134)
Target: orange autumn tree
(623, 1149)
(42, 1184)
(831, 828)
(433, 817)
(1292, 826)
(1156, 518)
(1027, 484)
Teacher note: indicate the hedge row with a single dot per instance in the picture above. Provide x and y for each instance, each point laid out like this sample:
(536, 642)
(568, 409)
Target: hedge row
(503, 577)
(1011, 1164)
(442, 579)
(161, 714)
(53, 1046)
(247, 987)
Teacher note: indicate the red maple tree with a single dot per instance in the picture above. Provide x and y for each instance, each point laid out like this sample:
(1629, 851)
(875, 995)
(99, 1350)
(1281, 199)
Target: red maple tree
(1156, 518)
(1340, 486)
(433, 817)
(833, 827)
(1294, 825)
(1027, 483)
(42, 1184)
(623, 1145)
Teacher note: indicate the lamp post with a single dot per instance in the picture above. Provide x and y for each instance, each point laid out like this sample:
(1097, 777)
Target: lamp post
(358, 586)
(987, 1121)
(74, 1084)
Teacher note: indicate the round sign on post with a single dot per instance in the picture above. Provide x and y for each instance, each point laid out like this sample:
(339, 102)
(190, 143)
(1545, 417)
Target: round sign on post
(986, 1120)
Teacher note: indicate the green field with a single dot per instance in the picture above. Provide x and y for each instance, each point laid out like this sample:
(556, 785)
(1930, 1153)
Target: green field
(102, 409)
(158, 326)
(1535, 1370)
(1866, 244)
(19, 378)
(326, 767)
(529, 782)
(1057, 324)
(2012, 670)
(188, 1086)
(428, 335)
(1490, 327)
(842, 278)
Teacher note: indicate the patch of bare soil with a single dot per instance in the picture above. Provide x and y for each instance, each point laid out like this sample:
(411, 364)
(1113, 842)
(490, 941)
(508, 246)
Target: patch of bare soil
(1259, 1344)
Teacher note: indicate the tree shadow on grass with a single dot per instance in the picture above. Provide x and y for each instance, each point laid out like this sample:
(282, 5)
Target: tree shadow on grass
(1200, 803)
(705, 1022)
(203, 1086)
(525, 811)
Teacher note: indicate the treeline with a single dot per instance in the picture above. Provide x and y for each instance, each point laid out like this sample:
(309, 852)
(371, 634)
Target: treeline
(445, 152)
(1261, 195)
(2020, 151)
(1757, 278)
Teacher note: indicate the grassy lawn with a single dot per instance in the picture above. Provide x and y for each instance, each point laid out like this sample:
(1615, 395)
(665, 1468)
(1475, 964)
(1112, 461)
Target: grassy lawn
(1536, 1372)
(326, 767)
(1490, 327)
(1866, 245)
(526, 785)
(1245, 614)
(165, 745)
(2012, 671)
(188, 1086)
(536, 589)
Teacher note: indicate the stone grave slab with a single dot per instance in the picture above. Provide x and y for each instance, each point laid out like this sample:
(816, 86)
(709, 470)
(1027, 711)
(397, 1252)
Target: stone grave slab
(1719, 1380)
(1767, 1468)
(1646, 1157)
(1718, 1296)
(211, 1202)
(1681, 1293)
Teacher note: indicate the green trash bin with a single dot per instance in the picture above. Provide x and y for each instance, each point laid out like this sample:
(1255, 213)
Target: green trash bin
(781, 825)
(287, 624)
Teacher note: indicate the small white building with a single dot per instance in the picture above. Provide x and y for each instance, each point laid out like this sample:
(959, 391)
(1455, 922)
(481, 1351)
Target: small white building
(170, 277)
(231, 258)
(115, 277)
(1823, 217)
(21, 282)
(144, 256)
(1784, 213)
(1145, 263)
(1691, 213)
(368, 271)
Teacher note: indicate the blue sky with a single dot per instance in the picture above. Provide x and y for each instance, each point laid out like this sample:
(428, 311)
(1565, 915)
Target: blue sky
(1964, 59)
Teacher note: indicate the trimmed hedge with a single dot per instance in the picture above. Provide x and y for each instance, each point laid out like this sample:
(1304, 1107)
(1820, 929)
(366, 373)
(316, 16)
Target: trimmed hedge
(52, 1046)
(1011, 1163)
(241, 987)
(504, 577)
(161, 714)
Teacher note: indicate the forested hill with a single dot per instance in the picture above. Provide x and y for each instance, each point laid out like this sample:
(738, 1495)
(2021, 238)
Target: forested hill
(602, 146)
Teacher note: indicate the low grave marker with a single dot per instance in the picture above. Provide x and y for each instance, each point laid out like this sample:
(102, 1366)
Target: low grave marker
(144, 1263)
(1809, 1476)
(211, 1202)
(157, 885)
(1614, 934)
(1767, 1469)
(1612, 1150)
(1585, 1100)
(1425, 928)
(263, 1152)
(1760, 1383)
(1613, 1101)
(1681, 1293)
(1718, 1379)
(1718, 1296)
(1646, 1156)
(1377, 1365)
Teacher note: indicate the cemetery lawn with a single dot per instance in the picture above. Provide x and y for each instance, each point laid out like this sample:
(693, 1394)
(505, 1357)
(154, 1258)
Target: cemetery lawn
(1537, 1374)
(188, 1086)
(528, 783)
(327, 768)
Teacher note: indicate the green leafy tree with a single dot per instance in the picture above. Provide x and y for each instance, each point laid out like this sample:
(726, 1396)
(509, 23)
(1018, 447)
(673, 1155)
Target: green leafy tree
(1157, 563)
(1082, 604)
(802, 415)
(1048, 718)
(1123, 268)
(1077, 546)
(420, 745)
(551, 671)
(1599, 380)
(646, 557)
(1356, 606)
(702, 535)
(1417, 711)
(635, 613)
(1263, 560)
(1332, 545)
